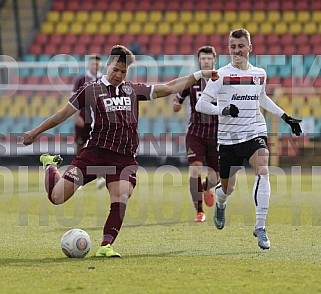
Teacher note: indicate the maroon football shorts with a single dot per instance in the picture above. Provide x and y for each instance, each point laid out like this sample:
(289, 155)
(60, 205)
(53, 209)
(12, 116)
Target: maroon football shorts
(199, 149)
(94, 162)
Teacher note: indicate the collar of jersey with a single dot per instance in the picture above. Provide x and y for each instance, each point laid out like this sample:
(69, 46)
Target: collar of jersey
(105, 81)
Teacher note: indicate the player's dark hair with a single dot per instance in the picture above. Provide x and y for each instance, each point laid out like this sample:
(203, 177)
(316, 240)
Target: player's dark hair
(120, 53)
(207, 50)
(239, 33)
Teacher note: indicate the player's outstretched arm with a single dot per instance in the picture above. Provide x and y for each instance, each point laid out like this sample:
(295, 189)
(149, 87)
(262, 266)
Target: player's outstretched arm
(49, 123)
(180, 84)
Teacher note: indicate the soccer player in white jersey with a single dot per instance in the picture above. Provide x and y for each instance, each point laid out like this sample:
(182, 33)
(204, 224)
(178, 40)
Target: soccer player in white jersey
(242, 133)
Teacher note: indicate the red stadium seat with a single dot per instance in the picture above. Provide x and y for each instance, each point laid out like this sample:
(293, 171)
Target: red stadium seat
(272, 39)
(171, 39)
(59, 6)
(216, 5)
(56, 39)
(272, 5)
(302, 5)
(287, 5)
(41, 39)
(35, 49)
(99, 39)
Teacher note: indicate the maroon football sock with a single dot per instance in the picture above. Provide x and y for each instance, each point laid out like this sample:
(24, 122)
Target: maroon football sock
(196, 189)
(113, 222)
(52, 176)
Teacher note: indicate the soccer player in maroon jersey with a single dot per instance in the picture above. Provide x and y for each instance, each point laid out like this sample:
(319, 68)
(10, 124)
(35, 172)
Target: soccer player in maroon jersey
(201, 138)
(113, 104)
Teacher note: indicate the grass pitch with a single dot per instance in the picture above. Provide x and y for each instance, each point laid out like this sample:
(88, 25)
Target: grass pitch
(163, 250)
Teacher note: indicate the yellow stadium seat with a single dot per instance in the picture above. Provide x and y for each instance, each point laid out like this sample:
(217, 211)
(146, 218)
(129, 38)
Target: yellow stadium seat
(82, 16)
(252, 27)
(236, 25)
(258, 16)
(111, 16)
(208, 28)
(273, 16)
(310, 28)
(266, 28)
(62, 28)
(303, 16)
(178, 28)
(171, 16)
(193, 28)
(134, 28)
(314, 101)
(295, 28)
(305, 110)
(186, 16)
(96, 16)
(164, 28)
(215, 16)
(230, 16)
(53, 16)
(76, 28)
(200, 16)
(48, 28)
(120, 28)
(245, 16)
(284, 102)
(106, 28)
(222, 28)
(316, 16)
(297, 101)
(316, 112)
(68, 16)
(155, 16)
(149, 28)
(141, 16)
(281, 28)
(289, 16)
(126, 16)
(91, 28)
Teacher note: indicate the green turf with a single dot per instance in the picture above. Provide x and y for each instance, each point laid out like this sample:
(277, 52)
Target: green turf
(163, 251)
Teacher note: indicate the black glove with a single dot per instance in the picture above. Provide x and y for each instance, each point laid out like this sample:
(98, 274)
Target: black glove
(294, 123)
(231, 110)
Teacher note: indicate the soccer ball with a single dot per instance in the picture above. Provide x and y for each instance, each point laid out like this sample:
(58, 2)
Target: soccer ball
(75, 243)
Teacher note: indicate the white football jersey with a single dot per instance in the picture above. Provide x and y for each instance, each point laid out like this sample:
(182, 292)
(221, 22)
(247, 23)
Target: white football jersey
(242, 88)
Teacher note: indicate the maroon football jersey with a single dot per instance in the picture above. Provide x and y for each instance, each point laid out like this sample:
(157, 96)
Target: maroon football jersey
(114, 112)
(200, 124)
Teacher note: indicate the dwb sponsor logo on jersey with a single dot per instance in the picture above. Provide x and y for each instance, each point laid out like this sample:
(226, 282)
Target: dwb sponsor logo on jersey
(117, 103)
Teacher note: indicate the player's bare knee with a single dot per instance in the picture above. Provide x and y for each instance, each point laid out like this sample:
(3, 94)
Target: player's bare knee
(57, 199)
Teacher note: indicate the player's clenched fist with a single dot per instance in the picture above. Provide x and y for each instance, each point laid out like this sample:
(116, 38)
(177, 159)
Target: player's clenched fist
(27, 138)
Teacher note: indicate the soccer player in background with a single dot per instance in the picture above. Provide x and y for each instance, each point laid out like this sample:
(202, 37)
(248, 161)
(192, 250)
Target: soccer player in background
(82, 117)
(111, 149)
(201, 139)
(242, 133)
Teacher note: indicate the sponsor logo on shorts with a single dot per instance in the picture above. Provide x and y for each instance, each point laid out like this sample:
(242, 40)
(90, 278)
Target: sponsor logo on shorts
(73, 173)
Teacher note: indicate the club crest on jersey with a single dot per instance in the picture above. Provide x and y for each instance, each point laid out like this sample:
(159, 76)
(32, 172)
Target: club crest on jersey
(127, 89)
(256, 80)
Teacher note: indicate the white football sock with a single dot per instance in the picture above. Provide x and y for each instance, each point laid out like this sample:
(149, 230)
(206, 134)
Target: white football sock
(261, 197)
(220, 196)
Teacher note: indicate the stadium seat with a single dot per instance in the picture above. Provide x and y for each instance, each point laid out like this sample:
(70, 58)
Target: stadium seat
(96, 16)
(67, 16)
(155, 16)
(186, 16)
(171, 16)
